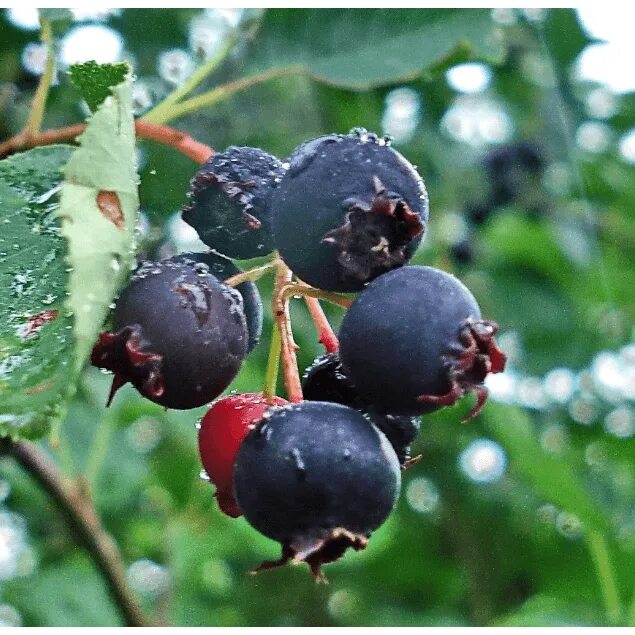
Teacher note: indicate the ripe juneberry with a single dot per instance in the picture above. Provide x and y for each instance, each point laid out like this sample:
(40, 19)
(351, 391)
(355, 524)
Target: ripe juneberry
(179, 334)
(326, 380)
(349, 208)
(318, 478)
(414, 341)
(221, 433)
(223, 268)
(229, 201)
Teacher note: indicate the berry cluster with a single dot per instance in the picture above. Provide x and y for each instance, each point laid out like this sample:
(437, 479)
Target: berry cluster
(319, 472)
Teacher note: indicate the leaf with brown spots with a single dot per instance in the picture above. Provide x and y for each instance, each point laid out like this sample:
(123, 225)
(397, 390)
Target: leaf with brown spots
(108, 203)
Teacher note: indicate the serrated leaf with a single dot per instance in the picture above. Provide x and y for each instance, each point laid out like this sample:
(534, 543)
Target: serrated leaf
(95, 81)
(359, 49)
(98, 209)
(35, 331)
(550, 476)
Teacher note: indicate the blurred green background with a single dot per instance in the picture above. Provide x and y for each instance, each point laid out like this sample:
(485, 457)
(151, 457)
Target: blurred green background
(528, 153)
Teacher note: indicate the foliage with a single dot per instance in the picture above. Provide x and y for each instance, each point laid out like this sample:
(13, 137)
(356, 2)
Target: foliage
(551, 542)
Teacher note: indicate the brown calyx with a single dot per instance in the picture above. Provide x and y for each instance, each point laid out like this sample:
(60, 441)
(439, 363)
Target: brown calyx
(237, 190)
(469, 362)
(375, 234)
(121, 353)
(317, 552)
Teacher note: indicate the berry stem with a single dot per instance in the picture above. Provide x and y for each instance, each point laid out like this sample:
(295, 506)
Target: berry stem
(176, 139)
(251, 274)
(305, 290)
(76, 505)
(326, 335)
(273, 365)
(282, 319)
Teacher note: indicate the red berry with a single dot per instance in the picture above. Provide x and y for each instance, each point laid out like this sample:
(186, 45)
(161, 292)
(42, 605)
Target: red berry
(222, 431)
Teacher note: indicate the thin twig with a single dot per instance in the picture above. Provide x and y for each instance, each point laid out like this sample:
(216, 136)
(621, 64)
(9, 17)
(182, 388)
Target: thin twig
(220, 93)
(176, 139)
(38, 105)
(81, 515)
(162, 109)
(280, 303)
(326, 335)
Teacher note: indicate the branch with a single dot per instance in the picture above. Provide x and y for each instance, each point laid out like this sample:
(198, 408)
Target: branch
(176, 139)
(83, 519)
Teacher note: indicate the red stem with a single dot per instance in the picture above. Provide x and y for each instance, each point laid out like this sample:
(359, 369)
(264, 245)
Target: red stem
(325, 332)
(176, 139)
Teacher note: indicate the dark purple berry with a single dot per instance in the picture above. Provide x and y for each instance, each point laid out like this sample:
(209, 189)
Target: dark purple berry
(414, 341)
(462, 251)
(400, 431)
(509, 168)
(318, 478)
(326, 380)
(348, 209)
(223, 268)
(179, 334)
(478, 213)
(229, 201)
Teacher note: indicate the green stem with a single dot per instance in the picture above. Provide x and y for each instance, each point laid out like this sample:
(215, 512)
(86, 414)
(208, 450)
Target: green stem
(273, 363)
(599, 551)
(99, 449)
(36, 114)
(218, 94)
(163, 109)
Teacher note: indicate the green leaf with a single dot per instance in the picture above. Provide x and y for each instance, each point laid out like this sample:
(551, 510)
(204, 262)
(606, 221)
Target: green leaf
(98, 211)
(45, 336)
(95, 81)
(564, 36)
(359, 49)
(551, 476)
(35, 329)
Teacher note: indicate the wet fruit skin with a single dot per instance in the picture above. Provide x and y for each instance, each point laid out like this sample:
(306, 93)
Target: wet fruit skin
(318, 478)
(224, 268)
(326, 380)
(229, 201)
(349, 208)
(222, 431)
(414, 340)
(179, 335)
